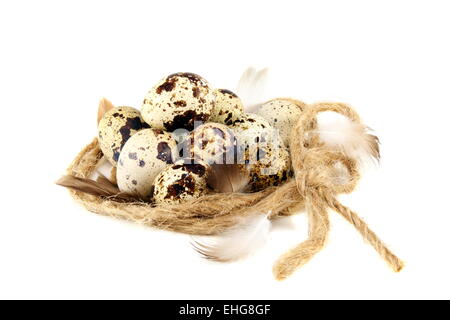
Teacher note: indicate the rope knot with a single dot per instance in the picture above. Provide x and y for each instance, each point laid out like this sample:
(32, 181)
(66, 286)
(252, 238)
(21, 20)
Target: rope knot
(317, 165)
(327, 170)
(322, 172)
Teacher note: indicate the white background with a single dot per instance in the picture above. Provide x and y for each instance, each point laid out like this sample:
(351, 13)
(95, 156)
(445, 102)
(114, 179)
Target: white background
(388, 59)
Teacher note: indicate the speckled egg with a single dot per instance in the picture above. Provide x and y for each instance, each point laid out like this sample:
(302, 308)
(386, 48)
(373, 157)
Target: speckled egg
(115, 128)
(182, 181)
(178, 101)
(249, 131)
(262, 150)
(228, 107)
(211, 142)
(142, 158)
(282, 114)
(272, 168)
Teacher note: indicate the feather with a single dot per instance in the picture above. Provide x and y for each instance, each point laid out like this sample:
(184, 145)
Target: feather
(237, 242)
(113, 175)
(351, 138)
(252, 88)
(228, 177)
(107, 183)
(105, 168)
(102, 187)
(103, 106)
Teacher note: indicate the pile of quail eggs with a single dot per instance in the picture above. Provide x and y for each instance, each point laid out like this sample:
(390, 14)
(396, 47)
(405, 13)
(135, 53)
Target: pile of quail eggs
(163, 153)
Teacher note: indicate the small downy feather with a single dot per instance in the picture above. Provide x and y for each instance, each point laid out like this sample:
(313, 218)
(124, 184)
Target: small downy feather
(237, 242)
(104, 167)
(102, 187)
(103, 106)
(228, 178)
(349, 137)
(251, 88)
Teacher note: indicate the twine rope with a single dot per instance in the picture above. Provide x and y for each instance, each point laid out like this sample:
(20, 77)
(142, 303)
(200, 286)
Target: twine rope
(312, 162)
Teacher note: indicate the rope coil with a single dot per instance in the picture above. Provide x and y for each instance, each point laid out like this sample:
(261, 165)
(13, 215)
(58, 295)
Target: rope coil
(313, 188)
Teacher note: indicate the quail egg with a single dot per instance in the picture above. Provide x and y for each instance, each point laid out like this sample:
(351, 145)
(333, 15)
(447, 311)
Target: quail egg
(249, 132)
(184, 180)
(272, 168)
(142, 158)
(212, 142)
(228, 107)
(115, 128)
(262, 151)
(282, 114)
(178, 101)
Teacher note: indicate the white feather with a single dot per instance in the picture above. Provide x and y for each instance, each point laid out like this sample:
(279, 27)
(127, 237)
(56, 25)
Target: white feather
(237, 242)
(251, 88)
(352, 138)
(104, 168)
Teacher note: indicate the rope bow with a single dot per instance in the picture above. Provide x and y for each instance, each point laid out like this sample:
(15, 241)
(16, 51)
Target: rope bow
(314, 164)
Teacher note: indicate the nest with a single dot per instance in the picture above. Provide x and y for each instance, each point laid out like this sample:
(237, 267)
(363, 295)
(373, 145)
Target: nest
(312, 189)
